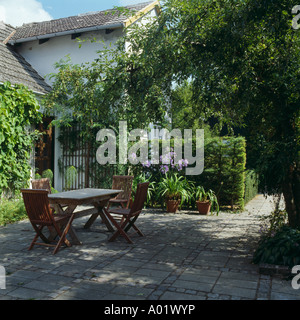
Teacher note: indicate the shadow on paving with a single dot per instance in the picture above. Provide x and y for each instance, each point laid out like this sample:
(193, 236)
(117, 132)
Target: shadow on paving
(182, 257)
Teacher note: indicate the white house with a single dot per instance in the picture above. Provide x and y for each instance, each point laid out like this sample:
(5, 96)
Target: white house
(43, 44)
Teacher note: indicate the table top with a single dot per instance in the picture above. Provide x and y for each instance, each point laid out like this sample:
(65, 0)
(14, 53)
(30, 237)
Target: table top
(83, 194)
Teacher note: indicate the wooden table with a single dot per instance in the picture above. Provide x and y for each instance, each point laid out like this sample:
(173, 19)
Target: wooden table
(66, 202)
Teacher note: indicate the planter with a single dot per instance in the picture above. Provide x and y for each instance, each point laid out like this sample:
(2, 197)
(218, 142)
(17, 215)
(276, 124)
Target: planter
(172, 205)
(203, 207)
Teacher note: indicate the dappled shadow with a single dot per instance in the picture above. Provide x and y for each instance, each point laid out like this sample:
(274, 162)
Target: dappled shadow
(179, 252)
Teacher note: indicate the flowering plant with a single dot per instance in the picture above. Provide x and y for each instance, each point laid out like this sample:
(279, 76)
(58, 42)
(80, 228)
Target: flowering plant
(174, 187)
(167, 163)
(172, 166)
(171, 185)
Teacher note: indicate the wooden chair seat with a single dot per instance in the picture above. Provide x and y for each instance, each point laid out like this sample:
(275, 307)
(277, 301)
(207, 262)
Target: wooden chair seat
(40, 215)
(123, 198)
(129, 216)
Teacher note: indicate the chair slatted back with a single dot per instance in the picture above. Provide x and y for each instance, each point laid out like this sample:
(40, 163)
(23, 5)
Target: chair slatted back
(140, 197)
(43, 183)
(37, 206)
(123, 183)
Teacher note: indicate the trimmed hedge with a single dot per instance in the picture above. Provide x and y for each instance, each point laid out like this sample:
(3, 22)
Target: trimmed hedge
(224, 170)
(251, 185)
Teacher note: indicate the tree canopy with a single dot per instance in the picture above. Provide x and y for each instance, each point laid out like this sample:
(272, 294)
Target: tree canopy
(241, 59)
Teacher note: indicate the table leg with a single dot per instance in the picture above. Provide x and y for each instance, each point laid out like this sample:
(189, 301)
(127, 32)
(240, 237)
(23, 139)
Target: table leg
(99, 206)
(69, 210)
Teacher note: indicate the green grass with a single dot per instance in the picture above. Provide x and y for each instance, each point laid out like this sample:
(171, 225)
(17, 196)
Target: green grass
(12, 211)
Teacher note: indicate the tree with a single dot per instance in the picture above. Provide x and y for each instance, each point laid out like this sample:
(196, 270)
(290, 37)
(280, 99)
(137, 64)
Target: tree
(242, 60)
(115, 86)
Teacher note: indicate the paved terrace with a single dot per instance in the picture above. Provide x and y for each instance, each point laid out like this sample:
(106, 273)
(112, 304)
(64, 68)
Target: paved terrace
(182, 257)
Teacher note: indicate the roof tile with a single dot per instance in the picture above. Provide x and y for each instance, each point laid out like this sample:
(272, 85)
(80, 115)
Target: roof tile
(15, 69)
(92, 19)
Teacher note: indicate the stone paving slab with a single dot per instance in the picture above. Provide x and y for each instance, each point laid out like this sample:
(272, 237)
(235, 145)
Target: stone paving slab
(183, 256)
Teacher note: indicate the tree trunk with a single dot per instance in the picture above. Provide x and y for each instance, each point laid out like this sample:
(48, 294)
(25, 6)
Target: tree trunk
(291, 193)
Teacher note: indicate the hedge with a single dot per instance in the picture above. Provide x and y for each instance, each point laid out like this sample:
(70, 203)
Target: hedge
(224, 170)
(251, 185)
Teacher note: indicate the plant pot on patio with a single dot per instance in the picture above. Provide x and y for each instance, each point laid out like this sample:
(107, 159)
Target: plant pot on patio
(203, 207)
(206, 201)
(172, 205)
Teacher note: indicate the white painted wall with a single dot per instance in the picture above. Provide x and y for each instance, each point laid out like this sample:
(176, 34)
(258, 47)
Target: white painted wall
(43, 56)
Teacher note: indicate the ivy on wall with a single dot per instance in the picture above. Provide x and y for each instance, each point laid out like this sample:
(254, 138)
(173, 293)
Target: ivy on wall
(18, 112)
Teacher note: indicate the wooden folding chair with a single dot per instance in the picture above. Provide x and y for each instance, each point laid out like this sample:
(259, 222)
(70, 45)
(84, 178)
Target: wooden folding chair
(123, 198)
(129, 215)
(43, 183)
(40, 215)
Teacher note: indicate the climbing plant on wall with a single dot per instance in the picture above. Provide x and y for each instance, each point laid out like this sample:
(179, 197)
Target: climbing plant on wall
(18, 113)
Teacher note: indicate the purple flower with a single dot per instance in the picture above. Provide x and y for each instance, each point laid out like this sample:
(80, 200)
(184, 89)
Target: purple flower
(164, 169)
(147, 164)
(132, 156)
(185, 162)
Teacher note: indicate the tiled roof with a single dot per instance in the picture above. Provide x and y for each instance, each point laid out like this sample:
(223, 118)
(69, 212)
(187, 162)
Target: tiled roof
(5, 30)
(15, 69)
(82, 21)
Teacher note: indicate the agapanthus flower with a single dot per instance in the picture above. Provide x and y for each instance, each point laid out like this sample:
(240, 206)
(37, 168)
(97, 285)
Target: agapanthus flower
(146, 164)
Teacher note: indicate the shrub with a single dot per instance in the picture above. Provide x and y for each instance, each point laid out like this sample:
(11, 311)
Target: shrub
(11, 211)
(251, 185)
(174, 187)
(18, 111)
(280, 244)
(224, 170)
(280, 248)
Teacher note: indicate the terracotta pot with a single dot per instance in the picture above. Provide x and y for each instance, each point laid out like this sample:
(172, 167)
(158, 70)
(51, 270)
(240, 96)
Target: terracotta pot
(203, 207)
(172, 205)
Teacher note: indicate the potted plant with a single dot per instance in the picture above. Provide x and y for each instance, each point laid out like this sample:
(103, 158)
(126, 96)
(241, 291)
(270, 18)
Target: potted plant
(175, 190)
(206, 201)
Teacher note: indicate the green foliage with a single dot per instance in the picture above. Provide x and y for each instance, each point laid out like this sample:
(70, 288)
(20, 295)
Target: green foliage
(279, 244)
(174, 187)
(141, 178)
(70, 177)
(184, 113)
(224, 170)
(251, 185)
(18, 111)
(48, 174)
(242, 61)
(11, 211)
(281, 248)
(209, 195)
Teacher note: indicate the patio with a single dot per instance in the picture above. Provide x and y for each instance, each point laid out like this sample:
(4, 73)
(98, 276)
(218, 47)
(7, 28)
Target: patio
(182, 257)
